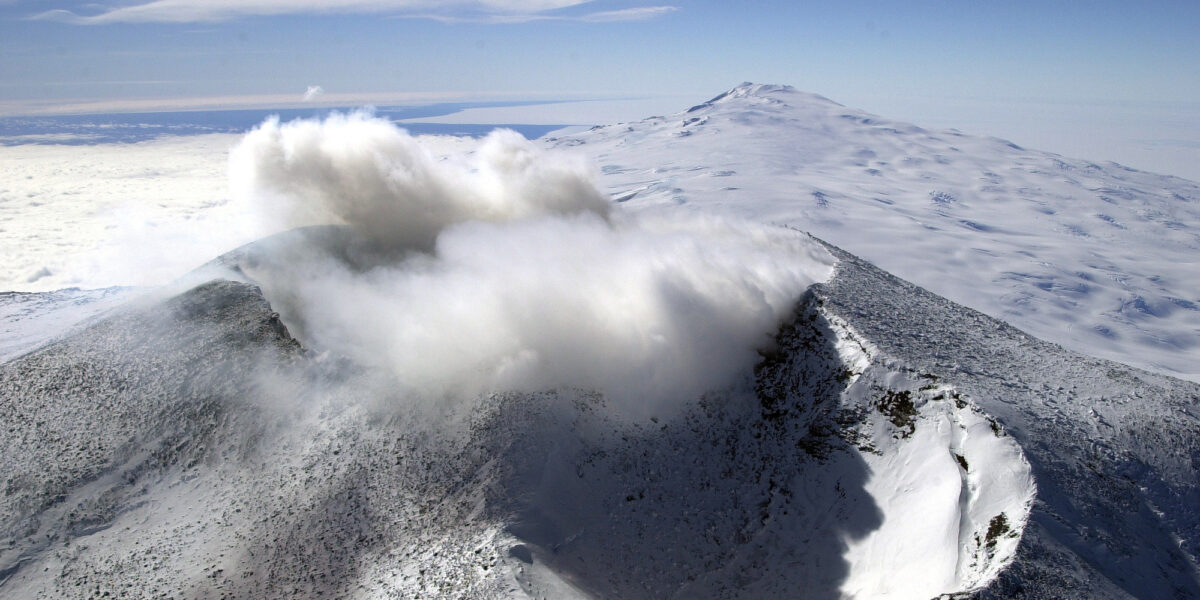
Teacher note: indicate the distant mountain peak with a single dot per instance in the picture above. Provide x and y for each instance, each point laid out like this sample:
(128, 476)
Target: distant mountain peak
(748, 88)
(764, 91)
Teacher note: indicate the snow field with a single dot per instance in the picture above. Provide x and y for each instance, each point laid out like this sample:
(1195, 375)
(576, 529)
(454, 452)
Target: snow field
(1098, 257)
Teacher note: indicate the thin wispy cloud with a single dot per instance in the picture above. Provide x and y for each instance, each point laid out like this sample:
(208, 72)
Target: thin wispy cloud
(312, 92)
(479, 11)
(640, 13)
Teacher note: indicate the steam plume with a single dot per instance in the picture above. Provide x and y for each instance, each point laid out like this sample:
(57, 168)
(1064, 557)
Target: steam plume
(513, 272)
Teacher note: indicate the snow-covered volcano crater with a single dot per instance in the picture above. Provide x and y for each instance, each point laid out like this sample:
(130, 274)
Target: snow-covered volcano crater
(484, 380)
(829, 468)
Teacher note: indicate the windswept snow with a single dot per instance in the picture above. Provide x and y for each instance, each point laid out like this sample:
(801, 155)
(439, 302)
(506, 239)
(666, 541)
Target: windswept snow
(29, 320)
(886, 449)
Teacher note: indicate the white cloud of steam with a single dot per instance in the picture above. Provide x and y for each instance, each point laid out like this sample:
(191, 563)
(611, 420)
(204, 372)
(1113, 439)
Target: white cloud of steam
(358, 170)
(525, 281)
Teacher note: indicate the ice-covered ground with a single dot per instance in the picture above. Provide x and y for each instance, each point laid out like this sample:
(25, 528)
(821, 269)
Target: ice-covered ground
(885, 448)
(1098, 257)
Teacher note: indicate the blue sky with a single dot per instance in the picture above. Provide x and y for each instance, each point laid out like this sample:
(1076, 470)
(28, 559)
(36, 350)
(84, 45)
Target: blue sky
(911, 60)
(1075, 51)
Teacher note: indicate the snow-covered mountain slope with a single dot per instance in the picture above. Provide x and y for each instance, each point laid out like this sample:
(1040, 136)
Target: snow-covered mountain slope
(1098, 257)
(273, 472)
(28, 321)
(885, 447)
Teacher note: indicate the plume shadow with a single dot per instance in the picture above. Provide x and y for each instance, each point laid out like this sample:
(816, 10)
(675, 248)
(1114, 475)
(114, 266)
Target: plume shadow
(745, 494)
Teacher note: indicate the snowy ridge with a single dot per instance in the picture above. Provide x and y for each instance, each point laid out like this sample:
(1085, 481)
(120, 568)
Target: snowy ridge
(1098, 257)
(954, 490)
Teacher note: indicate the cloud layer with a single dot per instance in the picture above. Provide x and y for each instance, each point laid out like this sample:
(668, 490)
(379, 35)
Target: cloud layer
(312, 92)
(510, 271)
(497, 11)
(99, 215)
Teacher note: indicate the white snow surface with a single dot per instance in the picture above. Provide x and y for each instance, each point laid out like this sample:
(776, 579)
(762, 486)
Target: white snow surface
(939, 483)
(1098, 257)
(28, 320)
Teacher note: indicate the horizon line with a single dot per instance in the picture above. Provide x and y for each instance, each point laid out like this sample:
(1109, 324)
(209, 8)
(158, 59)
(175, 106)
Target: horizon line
(82, 106)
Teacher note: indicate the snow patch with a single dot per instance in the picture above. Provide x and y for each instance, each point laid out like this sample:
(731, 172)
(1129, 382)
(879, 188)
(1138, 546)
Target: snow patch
(954, 490)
